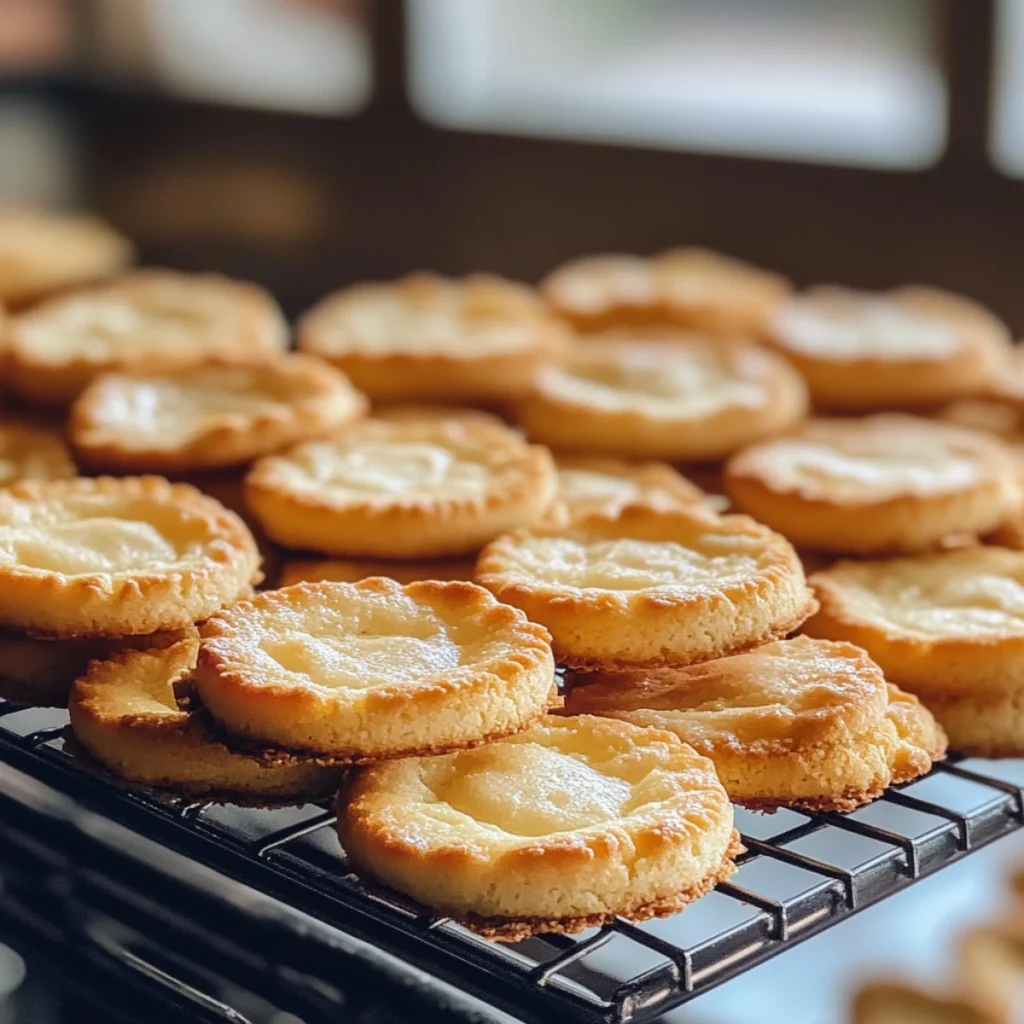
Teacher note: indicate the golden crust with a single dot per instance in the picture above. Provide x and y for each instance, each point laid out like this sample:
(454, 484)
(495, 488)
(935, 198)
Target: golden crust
(340, 571)
(402, 489)
(42, 251)
(886, 483)
(208, 417)
(113, 557)
(565, 825)
(135, 715)
(645, 586)
(676, 397)
(908, 348)
(990, 958)
(797, 723)
(374, 669)
(147, 321)
(429, 338)
(896, 1002)
(692, 288)
(33, 451)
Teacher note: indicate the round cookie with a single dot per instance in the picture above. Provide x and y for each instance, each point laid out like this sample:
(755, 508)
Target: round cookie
(147, 321)
(208, 417)
(406, 489)
(31, 451)
(358, 671)
(429, 338)
(948, 627)
(113, 557)
(677, 398)
(563, 827)
(885, 483)
(796, 723)
(336, 570)
(896, 1002)
(647, 586)
(134, 713)
(908, 348)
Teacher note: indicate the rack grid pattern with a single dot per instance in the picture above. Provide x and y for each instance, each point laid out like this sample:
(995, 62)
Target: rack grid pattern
(802, 872)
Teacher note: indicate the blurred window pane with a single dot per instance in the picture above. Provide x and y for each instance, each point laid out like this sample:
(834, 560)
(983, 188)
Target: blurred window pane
(1007, 141)
(821, 80)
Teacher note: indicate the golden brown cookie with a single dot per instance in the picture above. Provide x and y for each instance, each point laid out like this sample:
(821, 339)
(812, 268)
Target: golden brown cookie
(336, 570)
(32, 451)
(895, 1002)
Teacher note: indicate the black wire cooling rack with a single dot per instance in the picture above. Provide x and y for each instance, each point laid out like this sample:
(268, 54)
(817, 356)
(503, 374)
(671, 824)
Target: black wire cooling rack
(802, 872)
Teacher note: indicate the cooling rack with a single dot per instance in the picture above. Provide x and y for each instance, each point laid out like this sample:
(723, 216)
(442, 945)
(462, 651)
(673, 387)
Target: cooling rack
(802, 872)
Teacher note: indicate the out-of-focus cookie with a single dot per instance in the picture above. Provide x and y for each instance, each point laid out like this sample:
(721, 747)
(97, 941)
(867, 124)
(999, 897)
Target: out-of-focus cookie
(885, 483)
(990, 958)
(908, 348)
(562, 827)
(646, 586)
(147, 321)
(336, 570)
(208, 417)
(33, 451)
(796, 723)
(692, 397)
(896, 1002)
(948, 627)
(429, 338)
(402, 489)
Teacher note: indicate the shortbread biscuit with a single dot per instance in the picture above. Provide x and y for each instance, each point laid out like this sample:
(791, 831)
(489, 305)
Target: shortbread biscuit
(42, 252)
(646, 586)
(907, 348)
(895, 1002)
(208, 417)
(948, 627)
(31, 451)
(428, 338)
(688, 397)
(402, 489)
(691, 288)
(112, 557)
(563, 827)
(358, 671)
(148, 321)
(135, 713)
(593, 484)
(885, 483)
(336, 570)
(796, 723)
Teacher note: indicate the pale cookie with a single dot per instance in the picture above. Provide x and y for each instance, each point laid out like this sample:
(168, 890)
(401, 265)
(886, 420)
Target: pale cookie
(886, 483)
(30, 451)
(796, 723)
(566, 826)
(358, 671)
(208, 417)
(948, 627)
(148, 321)
(402, 489)
(429, 338)
(907, 348)
(691, 288)
(340, 571)
(648, 586)
(136, 715)
(691, 397)
(895, 1002)
(110, 557)
(42, 251)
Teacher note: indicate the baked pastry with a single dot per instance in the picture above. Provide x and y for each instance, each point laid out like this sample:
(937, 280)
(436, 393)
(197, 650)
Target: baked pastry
(208, 417)
(112, 557)
(692, 288)
(42, 251)
(593, 484)
(796, 723)
(402, 489)
(562, 827)
(336, 570)
(429, 338)
(907, 348)
(885, 483)
(358, 671)
(1008, 387)
(147, 321)
(948, 627)
(691, 397)
(990, 958)
(895, 1002)
(30, 451)
(136, 714)
(410, 411)
(645, 586)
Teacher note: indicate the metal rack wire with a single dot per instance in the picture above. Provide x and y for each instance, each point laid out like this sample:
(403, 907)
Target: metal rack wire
(802, 872)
